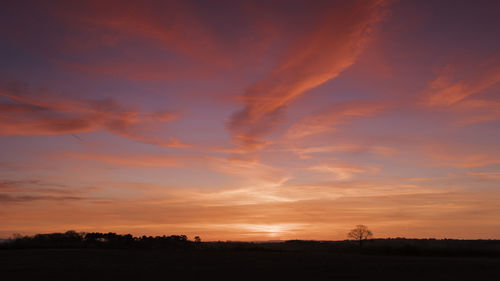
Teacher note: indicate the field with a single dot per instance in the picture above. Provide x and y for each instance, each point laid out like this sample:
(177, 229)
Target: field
(233, 264)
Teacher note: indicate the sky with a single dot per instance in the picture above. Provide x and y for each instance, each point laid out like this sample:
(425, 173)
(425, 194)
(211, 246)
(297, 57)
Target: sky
(250, 120)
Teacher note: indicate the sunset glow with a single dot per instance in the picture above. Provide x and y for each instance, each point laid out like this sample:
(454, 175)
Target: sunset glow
(251, 120)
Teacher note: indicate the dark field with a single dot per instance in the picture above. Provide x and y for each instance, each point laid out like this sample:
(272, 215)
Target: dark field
(140, 264)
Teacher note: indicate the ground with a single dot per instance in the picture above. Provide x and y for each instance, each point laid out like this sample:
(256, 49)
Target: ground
(106, 264)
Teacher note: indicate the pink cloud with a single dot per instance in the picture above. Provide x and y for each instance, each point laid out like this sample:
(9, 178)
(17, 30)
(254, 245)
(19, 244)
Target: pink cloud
(130, 160)
(342, 172)
(335, 40)
(43, 114)
(335, 115)
(446, 90)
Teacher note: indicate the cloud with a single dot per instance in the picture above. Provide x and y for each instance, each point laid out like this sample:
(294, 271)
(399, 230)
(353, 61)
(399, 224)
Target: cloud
(287, 192)
(460, 156)
(6, 198)
(466, 93)
(251, 171)
(315, 211)
(26, 114)
(18, 191)
(130, 160)
(176, 39)
(447, 90)
(342, 171)
(173, 23)
(486, 175)
(335, 115)
(472, 111)
(143, 70)
(307, 152)
(17, 185)
(331, 46)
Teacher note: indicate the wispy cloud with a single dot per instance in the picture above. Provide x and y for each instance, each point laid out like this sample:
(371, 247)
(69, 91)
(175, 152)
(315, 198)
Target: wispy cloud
(486, 175)
(18, 191)
(447, 90)
(459, 156)
(42, 114)
(472, 111)
(342, 171)
(6, 198)
(333, 45)
(252, 171)
(309, 151)
(328, 120)
(130, 160)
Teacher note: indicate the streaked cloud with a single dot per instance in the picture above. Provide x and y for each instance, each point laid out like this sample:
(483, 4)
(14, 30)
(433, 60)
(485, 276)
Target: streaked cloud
(252, 171)
(473, 111)
(308, 152)
(486, 175)
(459, 157)
(447, 90)
(42, 114)
(342, 171)
(130, 160)
(335, 40)
(330, 118)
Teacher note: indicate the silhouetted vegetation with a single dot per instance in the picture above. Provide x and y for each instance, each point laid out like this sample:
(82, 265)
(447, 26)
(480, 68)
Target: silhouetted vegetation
(389, 246)
(360, 234)
(110, 240)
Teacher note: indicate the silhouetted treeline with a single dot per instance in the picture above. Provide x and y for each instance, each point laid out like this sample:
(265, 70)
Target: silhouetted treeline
(433, 247)
(389, 246)
(72, 239)
(405, 247)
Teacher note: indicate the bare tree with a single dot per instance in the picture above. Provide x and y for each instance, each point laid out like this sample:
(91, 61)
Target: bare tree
(360, 233)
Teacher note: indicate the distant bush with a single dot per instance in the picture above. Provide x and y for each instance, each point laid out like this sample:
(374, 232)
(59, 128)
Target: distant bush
(72, 239)
(389, 246)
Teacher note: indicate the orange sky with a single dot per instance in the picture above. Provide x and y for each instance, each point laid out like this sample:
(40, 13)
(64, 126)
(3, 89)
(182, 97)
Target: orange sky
(251, 120)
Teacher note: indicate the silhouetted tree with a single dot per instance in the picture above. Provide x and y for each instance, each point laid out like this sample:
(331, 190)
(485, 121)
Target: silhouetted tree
(360, 233)
(197, 239)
